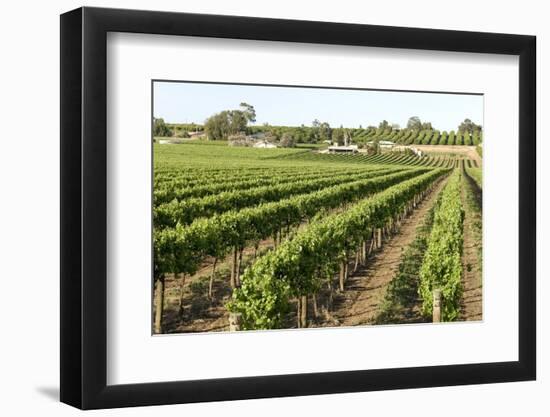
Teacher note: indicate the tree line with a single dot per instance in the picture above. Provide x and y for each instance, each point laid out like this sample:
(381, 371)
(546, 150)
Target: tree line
(238, 124)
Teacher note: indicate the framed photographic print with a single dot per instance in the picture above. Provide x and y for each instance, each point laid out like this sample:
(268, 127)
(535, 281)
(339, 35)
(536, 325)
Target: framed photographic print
(255, 208)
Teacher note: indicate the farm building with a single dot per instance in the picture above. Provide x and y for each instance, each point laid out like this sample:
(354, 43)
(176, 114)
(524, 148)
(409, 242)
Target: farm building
(405, 148)
(384, 144)
(343, 149)
(264, 144)
(173, 141)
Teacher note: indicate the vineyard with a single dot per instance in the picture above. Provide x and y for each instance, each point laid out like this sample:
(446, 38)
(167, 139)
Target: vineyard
(418, 137)
(248, 239)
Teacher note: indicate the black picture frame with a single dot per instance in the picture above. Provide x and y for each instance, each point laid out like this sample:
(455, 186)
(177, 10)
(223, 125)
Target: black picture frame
(84, 207)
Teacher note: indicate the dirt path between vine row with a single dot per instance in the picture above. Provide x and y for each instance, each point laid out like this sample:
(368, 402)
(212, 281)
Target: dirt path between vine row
(365, 290)
(471, 303)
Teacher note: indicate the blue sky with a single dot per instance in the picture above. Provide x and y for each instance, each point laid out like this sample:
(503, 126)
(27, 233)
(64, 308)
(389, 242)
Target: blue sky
(178, 102)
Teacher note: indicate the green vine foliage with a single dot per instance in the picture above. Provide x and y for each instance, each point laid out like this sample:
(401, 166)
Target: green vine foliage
(217, 235)
(300, 265)
(442, 265)
(175, 251)
(189, 209)
(184, 187)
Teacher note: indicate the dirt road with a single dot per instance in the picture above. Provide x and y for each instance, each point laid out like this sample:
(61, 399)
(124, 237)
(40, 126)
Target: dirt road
(468, 151)
(471, 304)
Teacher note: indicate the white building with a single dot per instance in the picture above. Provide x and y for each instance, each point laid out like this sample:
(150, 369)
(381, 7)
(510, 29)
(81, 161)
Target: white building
(343, 149)
(384, 144)
(264, 144)
(173, 141)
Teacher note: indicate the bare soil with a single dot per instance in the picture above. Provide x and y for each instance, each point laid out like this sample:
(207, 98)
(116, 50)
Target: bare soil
(468, 151)
(471, 304)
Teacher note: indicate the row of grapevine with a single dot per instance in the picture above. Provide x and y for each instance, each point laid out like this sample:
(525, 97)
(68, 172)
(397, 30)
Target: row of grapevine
(169, 191)
(422, 137)
(442, 264)
(475, 174)
(201, 177)
(216, 235)
(186, 210)
(197, 178)
(299, 266)
(181, 249)
(387, 158)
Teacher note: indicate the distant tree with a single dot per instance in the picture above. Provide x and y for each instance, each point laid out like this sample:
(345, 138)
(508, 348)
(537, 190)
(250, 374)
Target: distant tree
(302, 134)
(326, 131)
(468, 126)
(287, 140)
(373, 147)
(229, 122)
(219, 126)
(452, 138)
(427, 126)
(338, 136)
(321, 131)
(181, 133)
(347, 137)
(414, 123)
(160, 128)
(383, 125)
(248, 111)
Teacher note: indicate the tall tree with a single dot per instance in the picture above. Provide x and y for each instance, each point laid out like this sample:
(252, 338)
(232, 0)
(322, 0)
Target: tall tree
(287, 141)
(229, 122)
(338, 136)
(414, 123)
(321, 131)
(160, 128)
(468, 126)
(249, 112)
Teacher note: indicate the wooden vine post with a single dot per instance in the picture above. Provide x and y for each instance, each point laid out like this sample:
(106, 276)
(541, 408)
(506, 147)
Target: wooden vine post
(303, 312)
(315, 307)
(436, 305)
(238, 269)
(211, 282)
(235, 321)
(159, 304)
(233, 279)
(342, 276)
(182, 292)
